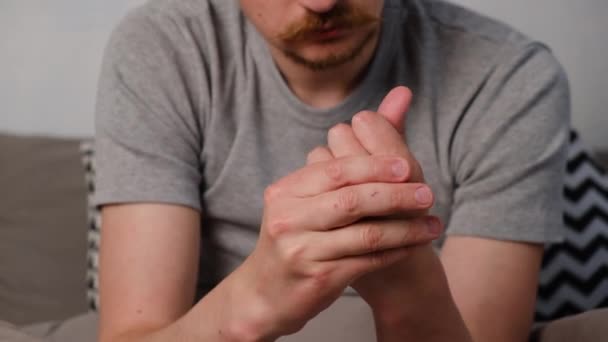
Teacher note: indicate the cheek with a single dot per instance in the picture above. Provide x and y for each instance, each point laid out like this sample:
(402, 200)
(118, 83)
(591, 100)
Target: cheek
(378, 8)
(262, 14)
(374, 7)
(255, 9)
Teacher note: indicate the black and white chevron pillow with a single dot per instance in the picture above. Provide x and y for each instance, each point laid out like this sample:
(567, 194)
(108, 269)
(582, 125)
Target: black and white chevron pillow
(94, 226)
(574, 276)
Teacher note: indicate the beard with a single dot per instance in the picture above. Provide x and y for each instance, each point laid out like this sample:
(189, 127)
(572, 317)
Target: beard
(331, 60)
(341, 17)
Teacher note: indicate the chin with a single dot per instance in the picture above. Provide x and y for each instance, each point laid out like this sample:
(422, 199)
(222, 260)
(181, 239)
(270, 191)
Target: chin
(327, 55)
(321, 62)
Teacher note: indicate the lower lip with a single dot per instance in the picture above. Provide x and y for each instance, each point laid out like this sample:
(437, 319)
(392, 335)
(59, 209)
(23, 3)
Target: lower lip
(328, 34)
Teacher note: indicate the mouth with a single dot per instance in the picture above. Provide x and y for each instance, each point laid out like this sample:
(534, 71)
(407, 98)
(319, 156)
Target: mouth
(328, 33)
(330, 26)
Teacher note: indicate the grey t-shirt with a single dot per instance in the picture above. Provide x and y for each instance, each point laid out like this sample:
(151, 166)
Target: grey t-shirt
(192, 111)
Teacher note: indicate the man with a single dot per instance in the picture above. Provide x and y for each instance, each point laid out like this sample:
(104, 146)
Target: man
(217, 188)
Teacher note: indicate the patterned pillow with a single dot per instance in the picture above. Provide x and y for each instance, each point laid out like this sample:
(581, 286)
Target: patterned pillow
(574, 276)
(94, 225)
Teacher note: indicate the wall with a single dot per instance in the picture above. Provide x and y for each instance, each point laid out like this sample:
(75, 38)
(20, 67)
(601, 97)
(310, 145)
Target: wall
(50, 52)
(577, 31)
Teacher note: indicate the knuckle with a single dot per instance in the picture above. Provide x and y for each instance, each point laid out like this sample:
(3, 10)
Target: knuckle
(379, 259)
(321, 278)
(409, 235)
(371, 237)
(315, 152)
(294, 254)
(272, 192)
(335, 171)
(363, 116)
(377, 167)
(396, 199)
(277, 227)
(338, 129)
(348, 201)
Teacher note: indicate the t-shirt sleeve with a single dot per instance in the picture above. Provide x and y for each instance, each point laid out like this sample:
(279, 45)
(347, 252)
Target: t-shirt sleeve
(510, 152)
(148, 138)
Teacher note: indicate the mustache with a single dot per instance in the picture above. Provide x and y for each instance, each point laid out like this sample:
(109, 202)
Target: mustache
(339, 16)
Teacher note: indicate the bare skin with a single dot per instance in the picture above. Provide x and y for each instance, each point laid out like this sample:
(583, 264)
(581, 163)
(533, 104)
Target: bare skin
(149, 252)
(312, 245)
(409, 297)
(319, 88)
(302, 253)
(417, 278)
(424, 297)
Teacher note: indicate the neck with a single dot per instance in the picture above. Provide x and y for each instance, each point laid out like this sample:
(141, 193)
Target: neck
(325, 88)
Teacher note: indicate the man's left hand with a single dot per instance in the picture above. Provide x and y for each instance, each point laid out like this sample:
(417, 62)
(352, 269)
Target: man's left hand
(408, 296)
(381, 133)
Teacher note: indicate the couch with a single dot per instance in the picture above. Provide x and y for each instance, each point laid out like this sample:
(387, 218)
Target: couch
(43, 249)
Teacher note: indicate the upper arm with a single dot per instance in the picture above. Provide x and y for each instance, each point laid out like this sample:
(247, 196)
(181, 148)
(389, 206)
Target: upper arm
(508, 155)
(508, 163)
(148, 126)
(148, 178)
(494, 285)
(148, 266)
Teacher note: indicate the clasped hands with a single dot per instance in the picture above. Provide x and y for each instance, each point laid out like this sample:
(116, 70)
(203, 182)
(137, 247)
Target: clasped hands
(356, 211)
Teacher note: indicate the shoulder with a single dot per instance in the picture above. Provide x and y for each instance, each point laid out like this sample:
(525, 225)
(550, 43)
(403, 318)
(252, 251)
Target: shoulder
(167, 13)
(466, 49)
(475, 42)
(451, 20)
(175, 26)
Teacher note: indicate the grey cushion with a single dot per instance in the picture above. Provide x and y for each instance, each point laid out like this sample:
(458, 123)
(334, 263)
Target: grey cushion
(42, 229)
(82, 328)
(586, 327)
(11, 333)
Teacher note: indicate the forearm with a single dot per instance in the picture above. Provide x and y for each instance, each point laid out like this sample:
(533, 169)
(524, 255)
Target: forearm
(220, 316)
(494, 284)
(424, 309)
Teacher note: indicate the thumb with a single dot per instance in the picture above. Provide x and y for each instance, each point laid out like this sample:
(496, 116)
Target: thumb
(395, 105)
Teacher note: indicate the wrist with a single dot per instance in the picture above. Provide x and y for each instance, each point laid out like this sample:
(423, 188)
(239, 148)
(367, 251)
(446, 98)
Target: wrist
(412, 282)
(415, 294)
(250, 314)
(424, 310)
(248, 331)
(432, 318)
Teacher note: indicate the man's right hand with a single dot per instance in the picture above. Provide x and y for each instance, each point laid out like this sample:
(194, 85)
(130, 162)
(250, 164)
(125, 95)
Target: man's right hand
(314, 240)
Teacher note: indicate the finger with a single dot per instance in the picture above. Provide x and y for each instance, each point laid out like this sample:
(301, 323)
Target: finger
(394, 107)
(353, 267)
(379, 137)
(371, 236)
(319, 154)
(349, 204)
(342, 142)
(322, 177)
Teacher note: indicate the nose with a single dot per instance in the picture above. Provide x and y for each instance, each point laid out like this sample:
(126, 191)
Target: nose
(319, 6)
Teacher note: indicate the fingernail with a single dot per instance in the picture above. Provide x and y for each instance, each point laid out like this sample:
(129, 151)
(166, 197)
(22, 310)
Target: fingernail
(399, 168)
(423, 195)
(434, 226)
